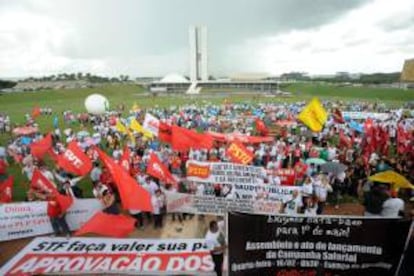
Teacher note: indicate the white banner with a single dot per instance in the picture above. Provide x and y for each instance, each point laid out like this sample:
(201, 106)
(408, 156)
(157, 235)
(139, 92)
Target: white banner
(98, 255)
(269, 192)
(224, 173)
(26, 219)
(364, 115)
(194, 204)
(151, 124)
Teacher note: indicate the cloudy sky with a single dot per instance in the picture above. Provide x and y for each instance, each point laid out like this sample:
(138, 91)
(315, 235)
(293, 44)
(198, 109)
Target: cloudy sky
(149, 37)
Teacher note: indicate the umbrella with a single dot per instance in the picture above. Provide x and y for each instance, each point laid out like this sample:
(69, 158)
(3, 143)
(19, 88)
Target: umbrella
(395, 179)
(316, 161)
(24, 130)
(333, 167)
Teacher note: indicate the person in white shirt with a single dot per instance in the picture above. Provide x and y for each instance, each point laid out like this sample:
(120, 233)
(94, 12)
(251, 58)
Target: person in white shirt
(95, 173)
(293, 205)
(321, 188)
(215, 242)
(200, 190)
(158, 205)
(393, 206)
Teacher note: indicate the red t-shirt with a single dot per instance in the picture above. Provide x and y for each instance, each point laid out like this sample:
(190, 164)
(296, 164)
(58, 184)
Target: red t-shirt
(53, 209)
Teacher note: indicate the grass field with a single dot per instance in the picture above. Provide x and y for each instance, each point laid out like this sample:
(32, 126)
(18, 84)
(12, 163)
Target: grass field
(17, 104)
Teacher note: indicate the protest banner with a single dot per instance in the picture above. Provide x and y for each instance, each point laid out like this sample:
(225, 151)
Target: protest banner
(151, 124)
(96, 255)
(238, 153)
(355, 115)
(319, 245)
(27, 219)
(224, 173)
(195, 204)
(255, 192)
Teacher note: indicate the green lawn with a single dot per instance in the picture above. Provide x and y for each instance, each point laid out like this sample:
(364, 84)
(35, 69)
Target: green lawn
(17, 104)
(393, 96)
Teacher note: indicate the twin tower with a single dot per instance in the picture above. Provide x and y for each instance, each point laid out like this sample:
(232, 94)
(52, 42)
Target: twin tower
(198, 53)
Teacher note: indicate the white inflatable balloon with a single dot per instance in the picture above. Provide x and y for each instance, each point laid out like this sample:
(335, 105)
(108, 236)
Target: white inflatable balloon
(96, 104)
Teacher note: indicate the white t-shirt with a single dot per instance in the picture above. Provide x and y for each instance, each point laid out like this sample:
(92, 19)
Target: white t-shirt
(321, 191)
(307, 189)
(212, 240)
(391, 207)
(200, 189)
(292, 206)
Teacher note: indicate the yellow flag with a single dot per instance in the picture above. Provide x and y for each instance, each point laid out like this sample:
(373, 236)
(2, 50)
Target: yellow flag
(136, 126)
(314, 115)
(395, 179)
(121, 128)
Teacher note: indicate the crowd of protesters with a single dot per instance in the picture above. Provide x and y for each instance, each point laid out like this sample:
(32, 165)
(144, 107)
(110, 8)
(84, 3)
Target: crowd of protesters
(293, 144)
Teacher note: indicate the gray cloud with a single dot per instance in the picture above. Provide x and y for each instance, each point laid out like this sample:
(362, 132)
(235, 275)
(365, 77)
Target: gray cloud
(130, 28)
(149, 37)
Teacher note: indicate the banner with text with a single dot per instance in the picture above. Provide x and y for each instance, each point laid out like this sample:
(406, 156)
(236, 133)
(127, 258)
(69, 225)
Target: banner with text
(224, 173)
(319, 245)
(195, 204)
(257, 192)
(26, 219)
(97, 255)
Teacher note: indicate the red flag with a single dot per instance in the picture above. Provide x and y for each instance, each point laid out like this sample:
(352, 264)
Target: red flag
(238, 153)
(39, 148)
(337, 116)
(36, 112)
(184, 139)
(261, 127)
(164, 132)
(344, 141)
(125, 159)
(158, 170)
(118, 226)
(6, 190)
(74, 160)
(40, 182)
(133, 195)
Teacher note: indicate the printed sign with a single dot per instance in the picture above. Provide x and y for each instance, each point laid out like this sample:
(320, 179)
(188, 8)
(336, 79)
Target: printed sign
(257, 192)
(26, 219)
(319, 245)
(97, 255)
(365, 115)
(224, 173)
(238, 153)
(194, 204)
(151, 124)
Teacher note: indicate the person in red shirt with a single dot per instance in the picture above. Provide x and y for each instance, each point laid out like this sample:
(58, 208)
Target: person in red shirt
(176, 164)
(57, 216)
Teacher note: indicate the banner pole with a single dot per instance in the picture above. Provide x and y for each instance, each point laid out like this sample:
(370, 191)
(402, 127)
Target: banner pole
(226, 217)
(410, 233)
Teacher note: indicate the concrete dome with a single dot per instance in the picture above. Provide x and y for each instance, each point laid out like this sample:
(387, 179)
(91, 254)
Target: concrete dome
(174, 78)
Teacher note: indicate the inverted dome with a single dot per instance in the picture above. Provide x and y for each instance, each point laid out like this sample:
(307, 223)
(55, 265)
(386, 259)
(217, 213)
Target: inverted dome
(174, 78)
